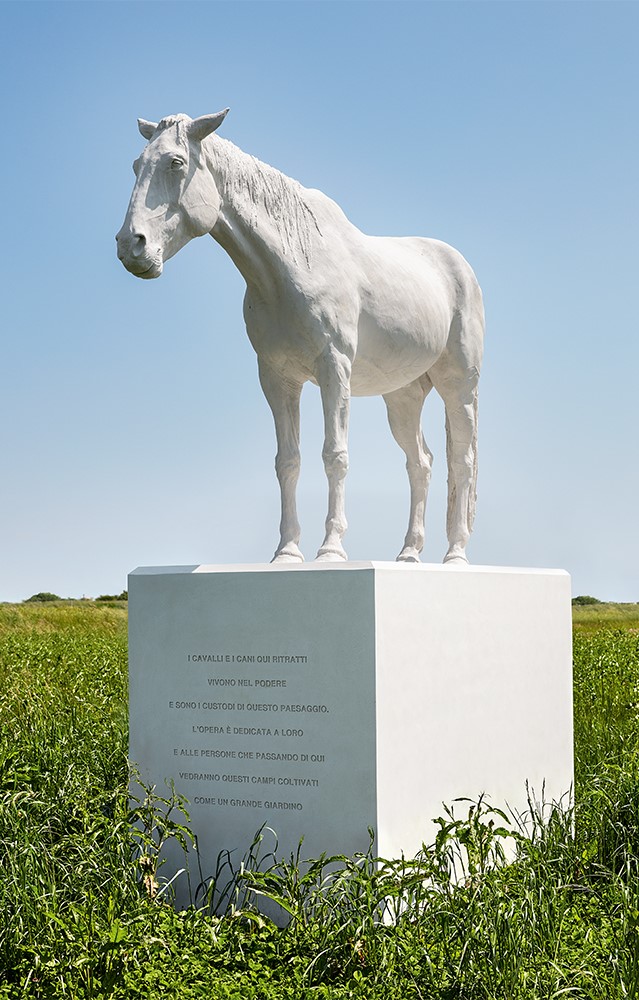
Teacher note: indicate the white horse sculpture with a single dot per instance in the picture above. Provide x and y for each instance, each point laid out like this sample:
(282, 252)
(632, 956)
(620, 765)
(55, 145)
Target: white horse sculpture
(355, 314)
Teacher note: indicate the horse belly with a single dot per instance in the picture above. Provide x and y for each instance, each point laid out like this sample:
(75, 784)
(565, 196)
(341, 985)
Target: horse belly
(405, 316)
(393, 351)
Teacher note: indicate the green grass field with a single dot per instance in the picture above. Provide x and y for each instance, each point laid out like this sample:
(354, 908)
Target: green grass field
(82, 914)
(590, 617)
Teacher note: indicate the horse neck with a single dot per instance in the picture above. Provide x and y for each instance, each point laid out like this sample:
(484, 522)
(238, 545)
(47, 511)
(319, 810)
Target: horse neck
(265, 223)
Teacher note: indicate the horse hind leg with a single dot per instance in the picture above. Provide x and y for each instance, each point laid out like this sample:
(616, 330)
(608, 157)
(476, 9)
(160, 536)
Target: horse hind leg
(460, 400)
(333, 376)
(404, 408)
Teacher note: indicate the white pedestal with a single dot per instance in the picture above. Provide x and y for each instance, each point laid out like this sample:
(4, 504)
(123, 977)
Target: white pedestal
(325, 699)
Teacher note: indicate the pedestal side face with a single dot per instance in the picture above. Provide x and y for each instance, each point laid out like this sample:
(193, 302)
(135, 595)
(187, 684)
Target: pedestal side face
(474, 693)
(254, 692)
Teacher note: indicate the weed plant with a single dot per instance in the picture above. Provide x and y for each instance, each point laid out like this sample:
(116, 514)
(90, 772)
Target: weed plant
(497, 908)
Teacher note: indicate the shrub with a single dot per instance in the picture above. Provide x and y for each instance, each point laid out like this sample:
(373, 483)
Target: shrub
(44, 595)
(585, 599)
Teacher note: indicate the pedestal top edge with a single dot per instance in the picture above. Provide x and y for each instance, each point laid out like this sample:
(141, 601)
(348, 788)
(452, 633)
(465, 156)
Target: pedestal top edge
(322, 567)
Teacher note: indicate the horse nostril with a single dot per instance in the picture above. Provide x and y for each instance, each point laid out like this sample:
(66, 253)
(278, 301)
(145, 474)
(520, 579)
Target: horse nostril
(138, 243)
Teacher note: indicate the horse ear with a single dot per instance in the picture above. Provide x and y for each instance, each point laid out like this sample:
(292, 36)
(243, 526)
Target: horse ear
(199, 128)
(146, 128)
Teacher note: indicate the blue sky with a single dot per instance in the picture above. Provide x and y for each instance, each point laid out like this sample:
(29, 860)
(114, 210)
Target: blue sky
(132, 427)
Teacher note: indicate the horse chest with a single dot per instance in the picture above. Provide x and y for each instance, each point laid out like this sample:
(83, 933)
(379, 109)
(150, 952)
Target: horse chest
(295, 321)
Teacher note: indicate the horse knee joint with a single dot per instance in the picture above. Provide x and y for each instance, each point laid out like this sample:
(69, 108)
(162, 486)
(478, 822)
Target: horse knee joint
(285, 468)
(419, 472)
(335, 462)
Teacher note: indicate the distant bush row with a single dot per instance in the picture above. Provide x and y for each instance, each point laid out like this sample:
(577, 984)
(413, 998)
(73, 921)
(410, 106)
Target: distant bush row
(46, 595)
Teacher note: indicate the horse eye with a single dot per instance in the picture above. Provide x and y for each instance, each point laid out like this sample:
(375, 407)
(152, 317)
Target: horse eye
(176, 162)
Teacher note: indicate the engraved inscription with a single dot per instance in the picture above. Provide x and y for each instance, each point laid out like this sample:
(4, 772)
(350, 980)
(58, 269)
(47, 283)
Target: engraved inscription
(265, 742)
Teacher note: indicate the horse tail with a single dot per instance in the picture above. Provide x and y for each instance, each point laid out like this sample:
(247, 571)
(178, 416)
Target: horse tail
(452, 486)
(472, 492)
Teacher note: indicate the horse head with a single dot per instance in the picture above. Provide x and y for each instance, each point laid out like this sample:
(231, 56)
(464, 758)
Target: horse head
(174, 198)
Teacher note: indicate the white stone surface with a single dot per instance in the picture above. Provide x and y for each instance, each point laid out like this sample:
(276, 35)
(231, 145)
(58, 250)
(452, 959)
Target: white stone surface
(355, 314)
(433, 682)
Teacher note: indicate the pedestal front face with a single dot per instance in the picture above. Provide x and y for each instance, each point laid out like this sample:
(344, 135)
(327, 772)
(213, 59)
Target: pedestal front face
(324, 699)
(254, 692)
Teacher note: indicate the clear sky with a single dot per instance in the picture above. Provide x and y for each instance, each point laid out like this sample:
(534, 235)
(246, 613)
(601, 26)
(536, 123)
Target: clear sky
(132, 427)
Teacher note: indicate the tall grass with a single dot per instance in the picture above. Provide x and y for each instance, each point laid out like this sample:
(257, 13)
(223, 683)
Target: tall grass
(592, 617)
(63, 770)
(491, 910)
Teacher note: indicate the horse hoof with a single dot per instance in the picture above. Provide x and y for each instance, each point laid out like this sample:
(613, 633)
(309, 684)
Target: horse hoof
(331, 555)
(291, 554)
(455, 560)
(408, 556)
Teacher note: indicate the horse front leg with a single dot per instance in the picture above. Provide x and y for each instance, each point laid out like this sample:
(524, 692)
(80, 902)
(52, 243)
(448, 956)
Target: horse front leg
(283, 396)
(334, 378)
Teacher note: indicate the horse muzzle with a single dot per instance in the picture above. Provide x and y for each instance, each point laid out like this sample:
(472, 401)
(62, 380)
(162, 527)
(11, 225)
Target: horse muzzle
(154, 270)
(137, 256)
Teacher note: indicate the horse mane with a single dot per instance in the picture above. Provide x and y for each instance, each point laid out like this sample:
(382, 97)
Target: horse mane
(280, 196)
